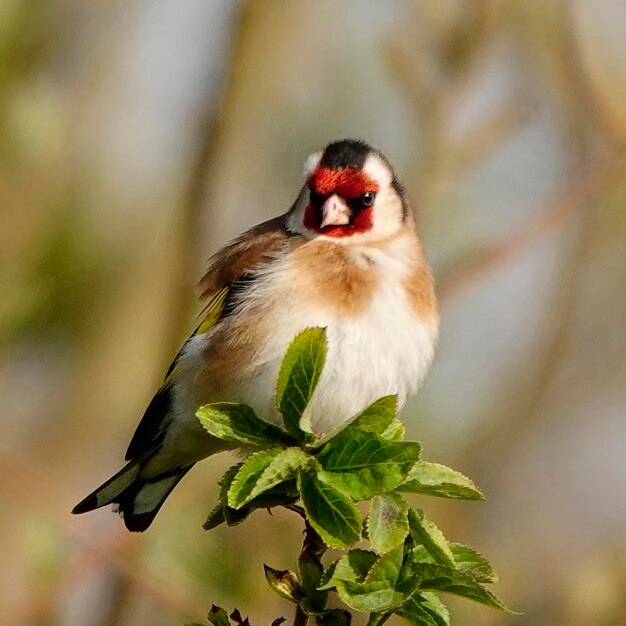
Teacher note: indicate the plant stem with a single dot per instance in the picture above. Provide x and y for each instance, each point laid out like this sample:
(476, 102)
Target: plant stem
(377, 619)
(313, 543)
(313, 548)
(296, 509)
(301, 618)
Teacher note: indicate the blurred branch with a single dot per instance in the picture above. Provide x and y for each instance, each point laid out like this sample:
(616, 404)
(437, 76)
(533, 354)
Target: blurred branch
(578, 80)
(120, 553)
(502, 251)
(484, 139)
(208, 122)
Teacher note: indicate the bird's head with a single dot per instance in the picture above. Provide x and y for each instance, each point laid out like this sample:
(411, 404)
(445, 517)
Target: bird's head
(351, 194)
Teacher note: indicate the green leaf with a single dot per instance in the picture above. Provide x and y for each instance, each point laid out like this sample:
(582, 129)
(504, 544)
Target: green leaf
(218, 616)
(364, 465)
(364, 598)
(264, 501)
(395, 431)
(264, 470)
(426, 532)
(239, 423)
(434, 479)
(311, 570)
(332, 514)
(299, 374)
(424, 609)
(376, 417)
(441, 578)
(232, 517)
(285, 493)
(284, 583)
(386, 568)
(382, 589)
(388, 524)
(353, 566)
(473, 563)
(243, 484)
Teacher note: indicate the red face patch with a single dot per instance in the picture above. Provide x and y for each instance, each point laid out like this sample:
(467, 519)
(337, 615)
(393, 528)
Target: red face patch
(360, 223)
(347, 183)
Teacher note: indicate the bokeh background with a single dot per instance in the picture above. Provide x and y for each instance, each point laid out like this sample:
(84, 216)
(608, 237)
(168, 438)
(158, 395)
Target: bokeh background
(136, 138)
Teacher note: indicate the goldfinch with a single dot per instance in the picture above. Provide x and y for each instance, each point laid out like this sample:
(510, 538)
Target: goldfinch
(345, 257)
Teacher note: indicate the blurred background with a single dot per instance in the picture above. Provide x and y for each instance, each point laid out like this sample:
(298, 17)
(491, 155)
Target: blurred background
(136, 138)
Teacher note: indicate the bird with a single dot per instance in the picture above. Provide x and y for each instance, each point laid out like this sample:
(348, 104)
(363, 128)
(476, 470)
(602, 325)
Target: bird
(345, 257)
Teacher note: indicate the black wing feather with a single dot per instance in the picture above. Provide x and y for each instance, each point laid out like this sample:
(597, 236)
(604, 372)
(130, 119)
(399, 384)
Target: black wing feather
(151, 428)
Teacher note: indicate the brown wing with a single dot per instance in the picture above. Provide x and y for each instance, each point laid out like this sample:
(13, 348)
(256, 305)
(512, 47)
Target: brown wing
(228, 268)
(232, 262)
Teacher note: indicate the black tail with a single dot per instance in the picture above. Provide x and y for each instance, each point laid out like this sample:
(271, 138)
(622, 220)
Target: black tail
(140, 503)
(138, 499)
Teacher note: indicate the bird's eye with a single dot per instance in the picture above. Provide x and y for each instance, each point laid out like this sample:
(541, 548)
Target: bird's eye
(367, 199)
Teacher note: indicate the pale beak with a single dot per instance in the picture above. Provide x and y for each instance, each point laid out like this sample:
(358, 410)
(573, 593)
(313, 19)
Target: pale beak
(335, 212)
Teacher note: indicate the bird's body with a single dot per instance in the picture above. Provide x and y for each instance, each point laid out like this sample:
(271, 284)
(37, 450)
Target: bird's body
(357, 271)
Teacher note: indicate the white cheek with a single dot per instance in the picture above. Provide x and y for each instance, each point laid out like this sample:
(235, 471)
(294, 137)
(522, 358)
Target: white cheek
(387, 213)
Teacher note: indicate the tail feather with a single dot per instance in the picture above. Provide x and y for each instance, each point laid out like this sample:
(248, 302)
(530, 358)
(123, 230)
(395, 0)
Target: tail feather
(139, 504)
(112, 488)
(137, 499)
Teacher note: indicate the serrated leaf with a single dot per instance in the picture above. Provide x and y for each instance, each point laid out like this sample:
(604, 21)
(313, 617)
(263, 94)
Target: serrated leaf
(388, 524)
(363, 598)
(332, 514)
(284, 583)
(434, 479)
(382, 589)
(263, 471)
(365, 465)
(283, 494)
(441, 578)
(386, 569)
(353, 566)
(218, 616)
(231, 516)
(376, 417)
(395, 431)
(299, 374)
(247, 477)
(264, 501)
(239, 423)
(428, 534)
(424, 609)
(215, 518)
(473, 563)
